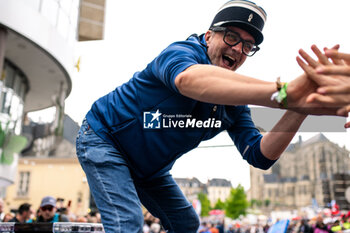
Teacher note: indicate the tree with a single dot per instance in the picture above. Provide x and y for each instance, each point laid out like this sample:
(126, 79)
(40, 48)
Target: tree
(237, 203)
(205, 203)
(259, 203)
(253, 203)
(267, 202)
(219, 205)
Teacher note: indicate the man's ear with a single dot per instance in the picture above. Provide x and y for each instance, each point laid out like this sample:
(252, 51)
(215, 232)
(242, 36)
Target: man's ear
(208, 35)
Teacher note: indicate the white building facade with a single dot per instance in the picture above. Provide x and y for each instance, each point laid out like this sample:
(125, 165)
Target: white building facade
(37, 38)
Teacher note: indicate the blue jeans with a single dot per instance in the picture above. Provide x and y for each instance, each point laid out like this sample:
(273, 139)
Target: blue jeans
(119, 195)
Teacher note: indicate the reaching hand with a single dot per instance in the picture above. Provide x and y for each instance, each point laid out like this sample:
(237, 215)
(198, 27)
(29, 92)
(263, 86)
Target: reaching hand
(299, 91)
(333, 77)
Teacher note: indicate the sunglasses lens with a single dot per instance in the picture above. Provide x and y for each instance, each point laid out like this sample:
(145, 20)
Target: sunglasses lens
(49, 208)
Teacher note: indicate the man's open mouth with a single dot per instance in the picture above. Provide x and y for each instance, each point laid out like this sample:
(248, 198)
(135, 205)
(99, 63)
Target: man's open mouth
(228, 61)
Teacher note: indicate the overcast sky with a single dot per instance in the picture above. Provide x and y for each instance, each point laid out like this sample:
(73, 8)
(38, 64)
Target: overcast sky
(137, 31)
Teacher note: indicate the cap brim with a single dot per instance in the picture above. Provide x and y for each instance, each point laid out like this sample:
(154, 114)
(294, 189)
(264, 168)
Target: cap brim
(47, 203)
(253, 31)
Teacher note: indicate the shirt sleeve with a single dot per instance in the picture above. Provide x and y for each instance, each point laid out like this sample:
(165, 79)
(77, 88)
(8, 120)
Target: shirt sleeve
(175, 59)
(247, 139)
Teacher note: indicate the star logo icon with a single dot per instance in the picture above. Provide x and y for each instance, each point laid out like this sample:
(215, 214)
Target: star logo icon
(156, 115)
(152, 120)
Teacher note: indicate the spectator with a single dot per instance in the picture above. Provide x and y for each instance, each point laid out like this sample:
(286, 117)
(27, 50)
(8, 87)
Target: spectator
(2, 214)
(8, 217)
(231, 229)
(203, 228)
(213, 229)
(48, 211)
(24, 213)
(304, 227)
(92, 217)
(266, 227)
(220, 226)
(320, 227)
(336, 226)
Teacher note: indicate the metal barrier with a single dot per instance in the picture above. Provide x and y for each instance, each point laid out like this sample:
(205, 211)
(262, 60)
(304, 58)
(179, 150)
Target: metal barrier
(57, 227)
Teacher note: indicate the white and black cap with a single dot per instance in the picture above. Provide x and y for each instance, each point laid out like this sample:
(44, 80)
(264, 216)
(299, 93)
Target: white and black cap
(243, 14)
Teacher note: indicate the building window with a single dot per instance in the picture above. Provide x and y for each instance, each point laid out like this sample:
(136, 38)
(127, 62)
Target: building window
(9, 75)
(13, 89)
(23, 184)
(6, 97)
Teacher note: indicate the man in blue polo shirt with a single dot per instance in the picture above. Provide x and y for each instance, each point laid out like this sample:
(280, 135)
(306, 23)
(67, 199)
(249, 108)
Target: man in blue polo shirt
(189, 93)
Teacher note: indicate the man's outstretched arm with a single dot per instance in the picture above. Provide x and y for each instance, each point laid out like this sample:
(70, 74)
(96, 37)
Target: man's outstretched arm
(276, 141)
(213, 84)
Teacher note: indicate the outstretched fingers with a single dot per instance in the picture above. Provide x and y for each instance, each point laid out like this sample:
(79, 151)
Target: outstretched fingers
(335, 101)
(310, 71)
(323, 59)
(313, 63)
(345, 89)
(336, 61)
(333, 54)
(336, 70)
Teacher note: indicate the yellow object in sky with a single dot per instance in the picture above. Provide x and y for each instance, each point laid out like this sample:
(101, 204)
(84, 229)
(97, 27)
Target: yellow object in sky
(77, 65)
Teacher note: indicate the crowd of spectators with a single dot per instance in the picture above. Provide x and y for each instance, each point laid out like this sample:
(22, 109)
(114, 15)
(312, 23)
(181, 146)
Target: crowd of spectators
(48, 211)
(317, 224)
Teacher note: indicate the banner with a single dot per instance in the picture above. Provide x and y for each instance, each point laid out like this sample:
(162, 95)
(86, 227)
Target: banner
(279, 227)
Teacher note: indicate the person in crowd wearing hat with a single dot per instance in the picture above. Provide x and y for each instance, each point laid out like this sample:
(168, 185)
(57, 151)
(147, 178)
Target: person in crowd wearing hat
(24, 213)
(48, 211)
(333, 78)
(190, 92)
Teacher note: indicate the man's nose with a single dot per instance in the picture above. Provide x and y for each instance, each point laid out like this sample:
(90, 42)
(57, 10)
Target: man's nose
(238, 47)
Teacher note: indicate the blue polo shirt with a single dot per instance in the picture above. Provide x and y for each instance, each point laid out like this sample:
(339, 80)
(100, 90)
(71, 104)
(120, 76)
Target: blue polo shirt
(152, 124)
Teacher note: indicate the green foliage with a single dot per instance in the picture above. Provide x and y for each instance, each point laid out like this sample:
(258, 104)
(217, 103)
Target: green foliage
(237, 203)
(205, 204)
(9, 145)
(253, 202)
(259, 203)
(267, 202)
(219, 205)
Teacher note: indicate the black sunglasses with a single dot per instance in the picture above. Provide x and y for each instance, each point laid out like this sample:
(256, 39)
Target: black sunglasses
(44, 208)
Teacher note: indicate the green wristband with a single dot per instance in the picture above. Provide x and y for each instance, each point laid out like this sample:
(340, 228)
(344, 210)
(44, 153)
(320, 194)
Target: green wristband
(282, 96)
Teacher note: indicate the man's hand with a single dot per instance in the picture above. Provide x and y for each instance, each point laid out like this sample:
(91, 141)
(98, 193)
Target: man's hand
(298, 92)
(333, 77)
